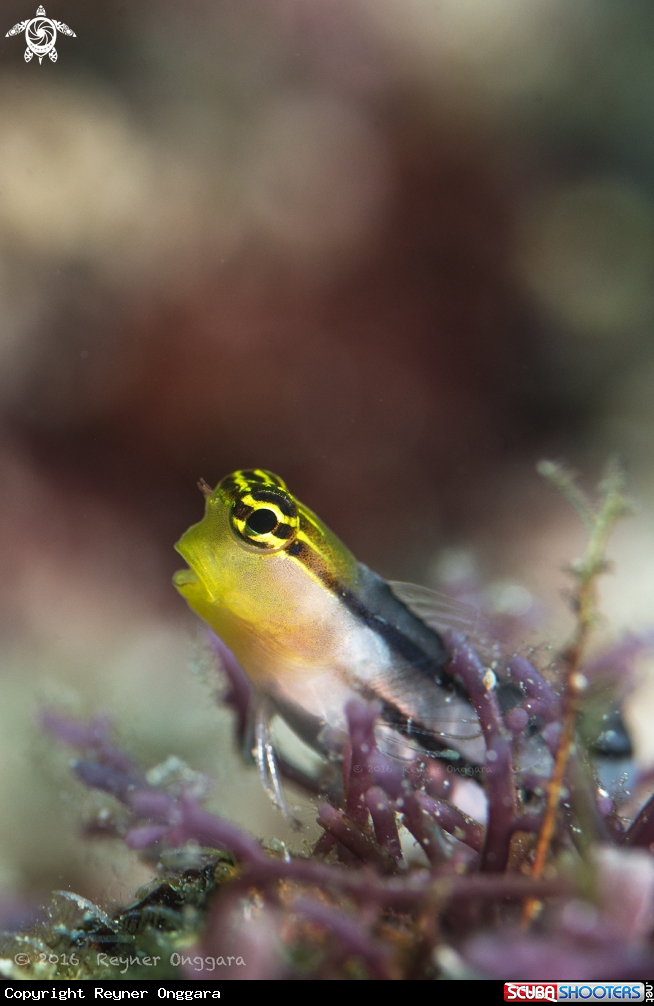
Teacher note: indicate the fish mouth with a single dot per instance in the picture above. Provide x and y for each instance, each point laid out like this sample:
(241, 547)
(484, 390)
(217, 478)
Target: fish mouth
(188, 577)
(185, 578)
(192, 587)
(194, 581)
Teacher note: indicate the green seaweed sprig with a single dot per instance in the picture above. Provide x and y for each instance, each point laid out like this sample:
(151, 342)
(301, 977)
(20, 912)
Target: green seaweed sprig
(600, 521)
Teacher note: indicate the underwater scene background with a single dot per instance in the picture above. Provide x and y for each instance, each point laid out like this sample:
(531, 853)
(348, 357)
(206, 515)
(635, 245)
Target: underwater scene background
(395, 251)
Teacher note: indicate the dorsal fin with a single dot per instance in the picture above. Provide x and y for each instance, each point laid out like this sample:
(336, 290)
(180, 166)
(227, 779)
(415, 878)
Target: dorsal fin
(444, 615)
(437, 610)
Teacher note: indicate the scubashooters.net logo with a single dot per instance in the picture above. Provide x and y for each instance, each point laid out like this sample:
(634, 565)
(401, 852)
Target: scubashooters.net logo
(41, 35)
(574, 992)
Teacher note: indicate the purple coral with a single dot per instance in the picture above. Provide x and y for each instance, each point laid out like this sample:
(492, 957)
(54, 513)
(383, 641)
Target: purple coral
(367, 901)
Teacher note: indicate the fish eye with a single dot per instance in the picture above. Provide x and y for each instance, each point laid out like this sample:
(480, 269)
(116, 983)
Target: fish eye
(265, 518)
(262, 521)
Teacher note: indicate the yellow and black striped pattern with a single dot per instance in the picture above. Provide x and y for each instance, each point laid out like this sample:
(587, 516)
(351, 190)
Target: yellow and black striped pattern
(262, 511)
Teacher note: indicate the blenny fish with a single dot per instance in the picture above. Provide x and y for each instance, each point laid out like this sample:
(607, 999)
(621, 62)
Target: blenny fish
(312, 627)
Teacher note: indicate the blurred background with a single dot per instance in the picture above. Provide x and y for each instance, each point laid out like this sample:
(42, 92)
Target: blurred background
(394, 250)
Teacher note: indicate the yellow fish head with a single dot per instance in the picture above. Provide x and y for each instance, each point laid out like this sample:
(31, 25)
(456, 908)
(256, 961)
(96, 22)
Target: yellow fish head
(252, 559)
(249, 513)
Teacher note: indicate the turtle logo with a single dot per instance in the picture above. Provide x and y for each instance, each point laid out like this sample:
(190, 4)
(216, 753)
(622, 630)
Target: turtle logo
(40, 35)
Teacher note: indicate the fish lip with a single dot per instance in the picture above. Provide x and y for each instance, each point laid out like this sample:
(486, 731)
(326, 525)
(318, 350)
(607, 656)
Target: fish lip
(185, 577)
(190, 575)
(182, 547)
(195, 575)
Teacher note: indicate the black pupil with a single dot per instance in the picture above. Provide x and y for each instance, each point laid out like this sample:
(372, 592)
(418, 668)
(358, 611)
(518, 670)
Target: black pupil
(262, 521)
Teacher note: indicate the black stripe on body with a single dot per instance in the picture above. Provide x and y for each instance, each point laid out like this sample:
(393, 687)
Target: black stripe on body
(428, 656)
(397, 641)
